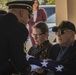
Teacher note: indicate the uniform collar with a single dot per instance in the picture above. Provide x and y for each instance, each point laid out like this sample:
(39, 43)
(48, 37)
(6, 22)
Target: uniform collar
(11, 16)
(43, 44)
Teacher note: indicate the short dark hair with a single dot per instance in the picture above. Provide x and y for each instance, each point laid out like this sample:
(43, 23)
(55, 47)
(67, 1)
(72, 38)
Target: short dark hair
(42, 26)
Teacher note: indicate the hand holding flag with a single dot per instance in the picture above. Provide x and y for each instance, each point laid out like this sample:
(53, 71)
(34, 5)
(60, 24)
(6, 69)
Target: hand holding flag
(37, 63)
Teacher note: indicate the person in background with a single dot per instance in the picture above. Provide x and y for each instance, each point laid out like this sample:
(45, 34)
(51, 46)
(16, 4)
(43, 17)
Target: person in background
(38, 14)
(13, 36)
(40, 50)
(62, 55)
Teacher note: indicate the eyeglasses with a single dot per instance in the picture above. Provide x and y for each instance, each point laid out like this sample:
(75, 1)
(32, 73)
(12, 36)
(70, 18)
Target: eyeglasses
(36, 35)
(61, 32)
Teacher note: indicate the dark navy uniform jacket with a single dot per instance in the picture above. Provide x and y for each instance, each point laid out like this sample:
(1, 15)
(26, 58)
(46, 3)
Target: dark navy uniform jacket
(13, 35)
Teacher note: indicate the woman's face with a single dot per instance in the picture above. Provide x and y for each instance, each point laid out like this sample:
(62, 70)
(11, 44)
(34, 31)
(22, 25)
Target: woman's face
(35, 5)
(38, 36)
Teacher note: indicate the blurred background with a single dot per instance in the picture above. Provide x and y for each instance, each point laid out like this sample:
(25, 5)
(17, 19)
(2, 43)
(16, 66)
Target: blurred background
(42, 2)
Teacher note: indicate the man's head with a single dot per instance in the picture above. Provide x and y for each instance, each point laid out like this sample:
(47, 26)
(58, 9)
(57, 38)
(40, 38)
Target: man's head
(40, 32)
(65, 33)
(21, 8)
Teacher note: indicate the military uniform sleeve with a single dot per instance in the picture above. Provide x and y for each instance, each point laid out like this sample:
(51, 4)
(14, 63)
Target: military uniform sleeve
(16, 49)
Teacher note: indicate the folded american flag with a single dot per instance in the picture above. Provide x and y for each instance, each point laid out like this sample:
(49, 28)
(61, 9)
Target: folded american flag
(49, 65)
(34, 62)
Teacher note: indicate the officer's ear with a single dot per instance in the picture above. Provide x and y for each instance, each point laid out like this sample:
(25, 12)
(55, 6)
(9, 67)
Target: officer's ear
(21, 13)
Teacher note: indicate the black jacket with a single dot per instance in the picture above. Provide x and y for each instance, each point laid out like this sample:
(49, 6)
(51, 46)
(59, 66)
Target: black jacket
(68, 60)
(13, 35)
